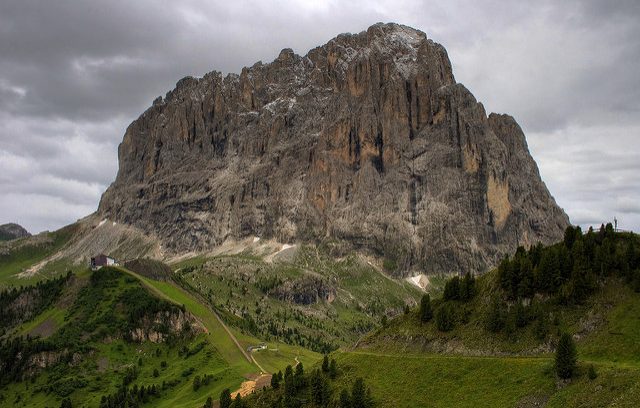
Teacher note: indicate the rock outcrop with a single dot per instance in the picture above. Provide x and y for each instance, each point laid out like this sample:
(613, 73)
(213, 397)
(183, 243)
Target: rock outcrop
(305, 291)
(12, 231)
(164, 325)
(367, 141)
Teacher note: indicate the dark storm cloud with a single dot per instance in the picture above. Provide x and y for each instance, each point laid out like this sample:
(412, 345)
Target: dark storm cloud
(73, 74)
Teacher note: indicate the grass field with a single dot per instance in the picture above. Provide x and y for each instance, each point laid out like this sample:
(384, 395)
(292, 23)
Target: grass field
(446, 381)
(608, 328)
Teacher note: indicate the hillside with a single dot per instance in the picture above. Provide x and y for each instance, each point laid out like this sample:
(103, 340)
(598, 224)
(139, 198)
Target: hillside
(366, 141)
(466, 354)
(34, 258)
(308, 298)
(109, 333)
(503, 357)
(489, 341)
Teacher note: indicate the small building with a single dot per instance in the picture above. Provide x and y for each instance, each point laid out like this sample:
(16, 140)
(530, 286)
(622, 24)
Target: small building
(261, 346)
(101, 260)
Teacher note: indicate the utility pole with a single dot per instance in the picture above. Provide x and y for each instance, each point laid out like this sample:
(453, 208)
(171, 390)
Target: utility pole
(615, 223)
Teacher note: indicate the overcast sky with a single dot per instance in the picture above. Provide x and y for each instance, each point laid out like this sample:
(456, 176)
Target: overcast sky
(74, 74)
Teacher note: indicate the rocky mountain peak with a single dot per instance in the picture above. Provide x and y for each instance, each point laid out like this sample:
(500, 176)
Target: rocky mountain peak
(12, 231)
(366, 141)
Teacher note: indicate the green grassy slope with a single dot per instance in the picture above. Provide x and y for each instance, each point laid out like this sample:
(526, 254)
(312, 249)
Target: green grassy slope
(403, 380)
(21, 254)
(414, 363)
(400, 375)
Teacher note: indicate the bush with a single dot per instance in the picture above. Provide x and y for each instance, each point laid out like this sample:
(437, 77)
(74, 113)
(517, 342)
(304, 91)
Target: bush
(592, 372)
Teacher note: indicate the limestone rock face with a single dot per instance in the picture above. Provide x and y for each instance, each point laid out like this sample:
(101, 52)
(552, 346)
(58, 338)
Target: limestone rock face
(367, 141)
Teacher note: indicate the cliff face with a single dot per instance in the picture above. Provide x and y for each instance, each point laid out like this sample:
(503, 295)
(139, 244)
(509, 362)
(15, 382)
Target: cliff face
(366, 140)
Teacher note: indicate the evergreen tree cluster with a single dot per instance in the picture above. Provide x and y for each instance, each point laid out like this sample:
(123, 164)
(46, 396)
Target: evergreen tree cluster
(571, 269)
(451, 309)
(296, 388)
(460, 289)
(130, 397)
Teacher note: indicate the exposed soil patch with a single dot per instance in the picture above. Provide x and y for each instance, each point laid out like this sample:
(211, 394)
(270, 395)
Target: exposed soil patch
(103, 364)
(533, 401)
(250, 386)
(44, 329)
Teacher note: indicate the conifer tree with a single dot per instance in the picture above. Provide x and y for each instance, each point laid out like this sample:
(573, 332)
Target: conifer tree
(359, 394)
(345, 400)
(467, 287)
(566, 357)
(426, 313)
(275, 381)
(225, 398)
(333, 369)
(445, 319)
(452, 289)
(238, 402)
(497, 317)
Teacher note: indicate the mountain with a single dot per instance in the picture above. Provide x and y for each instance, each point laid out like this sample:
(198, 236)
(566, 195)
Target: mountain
(12, 231)
(367, 142)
